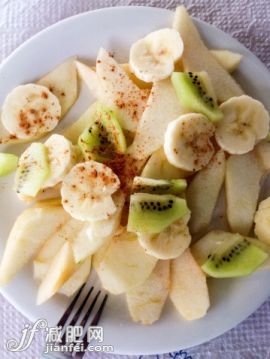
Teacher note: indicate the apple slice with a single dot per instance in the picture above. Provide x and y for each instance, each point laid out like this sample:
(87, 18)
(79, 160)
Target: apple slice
(242, 184)
(61, 268)
(62, 82)
(119, 93)
(145, 302)
(197, 57)
(203, 192)
(30, 231)
(162, 107)
(189, 292)
(78, 278)
(123, 264)
(91, 79)
(227, 59)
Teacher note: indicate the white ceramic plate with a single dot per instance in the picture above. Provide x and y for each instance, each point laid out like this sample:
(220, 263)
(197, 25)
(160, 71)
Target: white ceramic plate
(116, 29)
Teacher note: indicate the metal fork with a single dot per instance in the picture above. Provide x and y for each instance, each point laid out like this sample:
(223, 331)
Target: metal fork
(71, 317)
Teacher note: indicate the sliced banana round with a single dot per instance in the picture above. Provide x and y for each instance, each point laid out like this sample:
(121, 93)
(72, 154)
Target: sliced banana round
(152, 58)
(30, 111)
(170, 243)
(62, 157)
(244, 123)
(187, 142)
(98, 230)
(87, 191)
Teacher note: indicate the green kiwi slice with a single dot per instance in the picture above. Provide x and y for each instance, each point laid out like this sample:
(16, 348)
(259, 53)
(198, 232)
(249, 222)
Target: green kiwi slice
(235, 257)
(156, 186)
(33, 170)
(104, 138)
(195, 93)
(151, 213)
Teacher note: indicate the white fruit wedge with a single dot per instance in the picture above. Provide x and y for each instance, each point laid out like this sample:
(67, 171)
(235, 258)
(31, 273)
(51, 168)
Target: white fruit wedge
(40, 270)
(145, 302)
(242, 184)
(196, 57)
(162, 107)
(123, 264)
(73, 132)
(158, 167)
(152, 58)
(60, 270)
(30, 111)
(62, 157)
(95, 234)
(203, 192)
(30, 231)
(54, 243)
(227, 59)
(187, 142)
(189, 291)
(62, 82)
(119, 93)
(262, 221)
(245, 122)
(91, 79)
(170, 243)
(78, 278)
(86, 191)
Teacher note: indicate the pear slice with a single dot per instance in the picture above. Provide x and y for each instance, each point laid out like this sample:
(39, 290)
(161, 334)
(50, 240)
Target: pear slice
(30, 231)
(203, 192)
(145, 302)
(227, 59)
(189, 292)
(119, 93)
(162, 107)
(242, 184)
(158, 167)
(60, 270)
(62, 82)
(73, 132)
(123, 264)
(197, 57)
(78, 278)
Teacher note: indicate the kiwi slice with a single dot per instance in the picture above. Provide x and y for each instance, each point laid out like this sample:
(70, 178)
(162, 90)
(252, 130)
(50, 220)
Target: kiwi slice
(156, 186)
(151, 213)
(33, 170)
(235, 257)
(104, 138)
(8, 163)
(195, 93)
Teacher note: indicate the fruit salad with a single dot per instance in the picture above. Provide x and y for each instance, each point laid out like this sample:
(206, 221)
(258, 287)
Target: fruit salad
(156, 186)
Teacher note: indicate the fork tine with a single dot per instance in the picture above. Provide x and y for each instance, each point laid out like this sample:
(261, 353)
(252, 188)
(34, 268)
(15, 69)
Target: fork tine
(65, 316)
(76, 315)
(95, 321)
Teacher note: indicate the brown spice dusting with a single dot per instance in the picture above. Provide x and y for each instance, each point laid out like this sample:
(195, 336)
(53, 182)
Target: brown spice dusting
(63, 94)
(44, 95)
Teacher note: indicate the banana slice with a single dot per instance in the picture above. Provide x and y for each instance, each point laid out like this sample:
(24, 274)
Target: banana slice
(62, 157)
(86, 191)
(170, 243)
(152, 58)
(187, 142)
(30, 111)
(245, 122)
